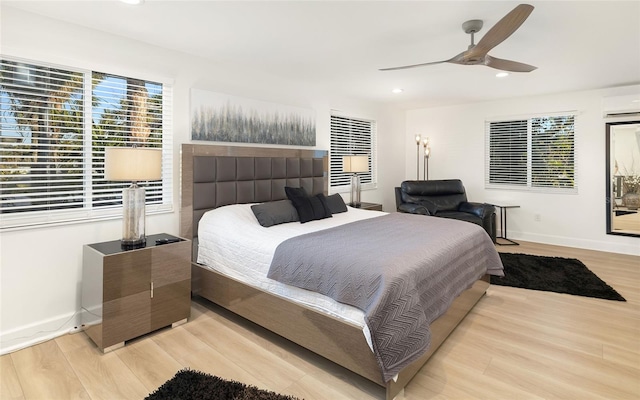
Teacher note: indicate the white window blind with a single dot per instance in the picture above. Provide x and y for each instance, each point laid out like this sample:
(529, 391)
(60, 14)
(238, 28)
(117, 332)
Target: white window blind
(352, 136)
(508, 152)
(54, 124)
(553, 152)
(536, 153)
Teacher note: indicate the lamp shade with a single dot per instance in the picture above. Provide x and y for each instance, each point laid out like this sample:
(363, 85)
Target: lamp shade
(132, 164)
(355, 164)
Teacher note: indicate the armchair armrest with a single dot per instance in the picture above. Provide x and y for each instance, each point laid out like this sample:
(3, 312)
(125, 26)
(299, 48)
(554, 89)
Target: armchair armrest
(479, 209)
(413, 208)
(486, 212)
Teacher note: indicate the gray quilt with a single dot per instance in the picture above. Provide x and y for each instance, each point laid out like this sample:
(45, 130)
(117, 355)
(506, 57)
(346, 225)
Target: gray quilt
(402, 270)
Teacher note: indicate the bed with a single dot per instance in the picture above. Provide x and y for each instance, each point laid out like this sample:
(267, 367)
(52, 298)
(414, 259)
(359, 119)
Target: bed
(214, 177)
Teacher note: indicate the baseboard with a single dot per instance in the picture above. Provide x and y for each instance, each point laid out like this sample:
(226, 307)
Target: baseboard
(620, 248)
(39, 332)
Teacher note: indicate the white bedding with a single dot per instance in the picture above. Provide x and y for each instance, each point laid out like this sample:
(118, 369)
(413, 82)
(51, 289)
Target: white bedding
(232, 242)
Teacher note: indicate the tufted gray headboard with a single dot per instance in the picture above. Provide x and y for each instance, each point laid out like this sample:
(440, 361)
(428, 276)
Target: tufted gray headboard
(214, 176)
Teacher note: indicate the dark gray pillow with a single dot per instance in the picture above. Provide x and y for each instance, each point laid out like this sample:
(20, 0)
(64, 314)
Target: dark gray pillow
(309, 208)
(275, 213)
(295, 192)
(336, 204)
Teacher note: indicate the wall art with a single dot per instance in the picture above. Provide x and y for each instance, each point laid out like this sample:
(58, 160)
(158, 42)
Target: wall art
(223, 118)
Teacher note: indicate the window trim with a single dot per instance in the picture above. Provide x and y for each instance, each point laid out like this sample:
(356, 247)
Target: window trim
(88, 212)
(529, 187)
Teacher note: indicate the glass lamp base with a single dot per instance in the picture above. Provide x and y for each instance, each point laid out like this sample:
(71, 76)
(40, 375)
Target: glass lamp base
(133, 217)
(130, 245)
(355, 191)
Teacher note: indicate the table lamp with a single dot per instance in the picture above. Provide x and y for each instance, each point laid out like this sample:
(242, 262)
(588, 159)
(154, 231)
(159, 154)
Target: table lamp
(133, 164)
(355, 164)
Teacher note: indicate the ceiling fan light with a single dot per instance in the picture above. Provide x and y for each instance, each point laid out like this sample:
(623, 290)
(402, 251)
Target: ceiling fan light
(132, 2)
(397, 90)
(502, 74)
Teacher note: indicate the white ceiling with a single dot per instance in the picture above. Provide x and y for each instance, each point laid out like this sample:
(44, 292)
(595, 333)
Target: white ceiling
(576, 45)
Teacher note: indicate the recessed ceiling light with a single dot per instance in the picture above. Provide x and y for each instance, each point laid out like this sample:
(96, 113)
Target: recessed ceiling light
(134, 2)
(502, 74)
(397, 90)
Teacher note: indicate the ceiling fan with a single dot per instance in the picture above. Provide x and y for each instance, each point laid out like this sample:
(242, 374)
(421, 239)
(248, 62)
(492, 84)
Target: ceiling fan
(476, 54)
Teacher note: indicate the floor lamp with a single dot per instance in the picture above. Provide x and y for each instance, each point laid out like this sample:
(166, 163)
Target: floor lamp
(133, 164)
(427, 153)
(354, 165)
(418, 139)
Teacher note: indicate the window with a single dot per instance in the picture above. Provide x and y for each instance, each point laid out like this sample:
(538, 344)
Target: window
(54, 125)
(534, 153)
(352, 136)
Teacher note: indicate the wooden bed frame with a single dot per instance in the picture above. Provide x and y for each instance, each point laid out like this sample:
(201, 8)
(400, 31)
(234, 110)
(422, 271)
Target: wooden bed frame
(336, 340)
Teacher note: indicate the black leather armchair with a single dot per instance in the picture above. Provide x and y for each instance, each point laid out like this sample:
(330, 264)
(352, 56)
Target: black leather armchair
(445, 198)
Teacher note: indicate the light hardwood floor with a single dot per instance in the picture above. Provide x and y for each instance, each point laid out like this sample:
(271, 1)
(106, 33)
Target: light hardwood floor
(515, 344)
(629, 223)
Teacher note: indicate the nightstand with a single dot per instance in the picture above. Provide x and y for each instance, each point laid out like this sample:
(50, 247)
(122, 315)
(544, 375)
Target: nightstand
(371, 206)
(128, 293)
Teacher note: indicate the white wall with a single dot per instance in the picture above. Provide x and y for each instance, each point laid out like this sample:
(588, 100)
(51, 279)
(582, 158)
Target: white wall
(41, 269)
(458, 151)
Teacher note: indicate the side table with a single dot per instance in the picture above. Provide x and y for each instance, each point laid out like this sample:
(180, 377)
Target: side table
(128, 293)
(503, 224)
(371, 206)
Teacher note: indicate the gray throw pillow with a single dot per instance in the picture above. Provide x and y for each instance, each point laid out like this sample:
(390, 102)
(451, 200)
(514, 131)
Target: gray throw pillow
(275, 213)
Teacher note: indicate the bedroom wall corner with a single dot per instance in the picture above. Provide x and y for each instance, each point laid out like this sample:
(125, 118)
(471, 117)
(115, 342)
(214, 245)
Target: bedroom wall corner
(391, 156)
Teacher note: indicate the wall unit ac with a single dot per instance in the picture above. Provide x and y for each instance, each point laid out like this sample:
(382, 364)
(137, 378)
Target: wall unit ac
(621, 106)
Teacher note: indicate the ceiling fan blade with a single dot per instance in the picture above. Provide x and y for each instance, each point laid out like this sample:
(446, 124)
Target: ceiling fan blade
(501, 30)
(507, 65)
(413, 66)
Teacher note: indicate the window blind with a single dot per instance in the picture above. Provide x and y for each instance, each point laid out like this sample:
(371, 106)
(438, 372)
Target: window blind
(533, 153)
(552, 152)
(54, 124)
(352, 136)
(508, 152)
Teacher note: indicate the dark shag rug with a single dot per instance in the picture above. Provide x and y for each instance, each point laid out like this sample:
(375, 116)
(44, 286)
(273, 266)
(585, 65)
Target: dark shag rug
(553, 274)
(194, 385)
